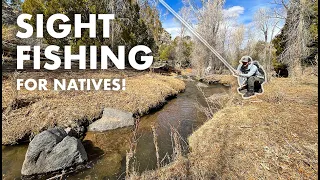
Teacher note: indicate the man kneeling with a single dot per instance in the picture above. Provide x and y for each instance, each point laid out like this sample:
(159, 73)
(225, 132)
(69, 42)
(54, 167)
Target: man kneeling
(250, 76)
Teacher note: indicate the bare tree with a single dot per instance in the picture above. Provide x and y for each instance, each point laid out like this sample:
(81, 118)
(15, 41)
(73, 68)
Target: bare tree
(237, 39)
(297, 35)
(267, 24)
(251, 41)
(225, 33)
(281, 9)
(209, 16)
(180, 47)
(262, 22)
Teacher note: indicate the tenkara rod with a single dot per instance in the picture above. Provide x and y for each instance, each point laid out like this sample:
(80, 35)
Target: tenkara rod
(198, 36)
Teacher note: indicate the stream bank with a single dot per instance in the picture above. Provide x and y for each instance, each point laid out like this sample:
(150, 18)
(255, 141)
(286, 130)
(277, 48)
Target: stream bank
(41, 110)
(107, 150)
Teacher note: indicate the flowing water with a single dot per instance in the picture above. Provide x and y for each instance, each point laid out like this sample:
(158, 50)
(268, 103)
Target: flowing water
(107, 150)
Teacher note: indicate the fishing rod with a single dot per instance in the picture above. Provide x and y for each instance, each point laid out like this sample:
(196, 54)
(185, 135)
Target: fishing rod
(199, 37)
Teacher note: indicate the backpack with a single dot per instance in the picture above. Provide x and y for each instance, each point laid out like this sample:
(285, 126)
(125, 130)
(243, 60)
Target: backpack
(261, 71)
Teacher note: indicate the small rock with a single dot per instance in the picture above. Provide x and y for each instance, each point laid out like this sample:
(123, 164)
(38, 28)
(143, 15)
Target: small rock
(112, 119)
(52, 150)
(71, 132)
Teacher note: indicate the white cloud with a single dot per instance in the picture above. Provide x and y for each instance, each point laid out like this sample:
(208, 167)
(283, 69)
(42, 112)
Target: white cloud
(174, 31)
(235, 17)
(172, 26)
(233, 12)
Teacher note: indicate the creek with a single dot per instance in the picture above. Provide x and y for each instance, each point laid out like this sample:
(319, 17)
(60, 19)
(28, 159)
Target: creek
(107, 150)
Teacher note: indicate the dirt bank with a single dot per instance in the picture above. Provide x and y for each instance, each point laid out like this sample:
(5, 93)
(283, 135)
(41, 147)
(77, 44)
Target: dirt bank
(26, 113)
(271, 136)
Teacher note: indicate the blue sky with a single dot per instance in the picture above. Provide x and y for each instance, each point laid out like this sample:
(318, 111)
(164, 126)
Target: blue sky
(244, 9)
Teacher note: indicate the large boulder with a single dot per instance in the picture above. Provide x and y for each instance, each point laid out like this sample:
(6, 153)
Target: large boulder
(112, 119)
(52, 150)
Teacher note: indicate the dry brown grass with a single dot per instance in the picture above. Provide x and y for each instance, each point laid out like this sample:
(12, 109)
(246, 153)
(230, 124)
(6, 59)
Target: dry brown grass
(222, 79)
(187, 71)
(39, 110)
(271, 136)
(176, 170)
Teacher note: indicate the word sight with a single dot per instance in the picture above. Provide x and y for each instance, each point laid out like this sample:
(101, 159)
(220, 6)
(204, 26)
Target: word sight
(64, 29)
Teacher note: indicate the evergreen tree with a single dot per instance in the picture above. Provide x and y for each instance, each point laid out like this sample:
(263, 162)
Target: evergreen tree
(127, 29)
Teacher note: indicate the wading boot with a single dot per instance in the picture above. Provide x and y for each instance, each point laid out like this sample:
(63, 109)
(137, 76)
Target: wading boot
(259, 91)
(248, 94)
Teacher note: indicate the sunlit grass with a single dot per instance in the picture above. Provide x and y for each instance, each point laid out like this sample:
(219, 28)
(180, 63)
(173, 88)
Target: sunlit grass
(43, 109)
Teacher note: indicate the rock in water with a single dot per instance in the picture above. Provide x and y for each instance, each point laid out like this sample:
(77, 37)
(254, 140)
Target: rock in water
(112, 119)
(52, 150)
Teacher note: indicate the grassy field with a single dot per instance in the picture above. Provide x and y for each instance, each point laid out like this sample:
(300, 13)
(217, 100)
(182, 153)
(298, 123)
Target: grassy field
(26, 113)
(270, 136)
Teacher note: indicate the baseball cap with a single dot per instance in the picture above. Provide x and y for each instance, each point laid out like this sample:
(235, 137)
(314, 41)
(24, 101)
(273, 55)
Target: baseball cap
(246, 59)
